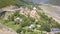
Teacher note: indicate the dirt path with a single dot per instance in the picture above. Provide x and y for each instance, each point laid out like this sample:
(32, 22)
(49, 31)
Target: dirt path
(6, 30)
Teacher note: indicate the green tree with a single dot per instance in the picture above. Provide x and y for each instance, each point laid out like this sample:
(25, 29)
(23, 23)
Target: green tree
(45, 27)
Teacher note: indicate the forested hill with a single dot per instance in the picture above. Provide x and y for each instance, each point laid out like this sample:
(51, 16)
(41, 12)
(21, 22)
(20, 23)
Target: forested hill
(4, 3)
(53, 2)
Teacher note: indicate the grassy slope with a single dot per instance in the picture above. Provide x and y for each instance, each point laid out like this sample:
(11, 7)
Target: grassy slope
(4, 3)
(45, 22)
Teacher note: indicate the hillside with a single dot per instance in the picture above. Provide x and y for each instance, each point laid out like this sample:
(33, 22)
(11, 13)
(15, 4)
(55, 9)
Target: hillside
(53, 11)
(29, 20)
(24, 18)
(4, 3)
(6, 30)
(53, 2)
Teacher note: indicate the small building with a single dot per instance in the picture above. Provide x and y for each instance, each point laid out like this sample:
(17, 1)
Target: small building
(32, 26)
(18, 19)
(34, 8)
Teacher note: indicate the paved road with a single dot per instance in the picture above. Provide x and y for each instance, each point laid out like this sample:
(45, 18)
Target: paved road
(53, 11)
